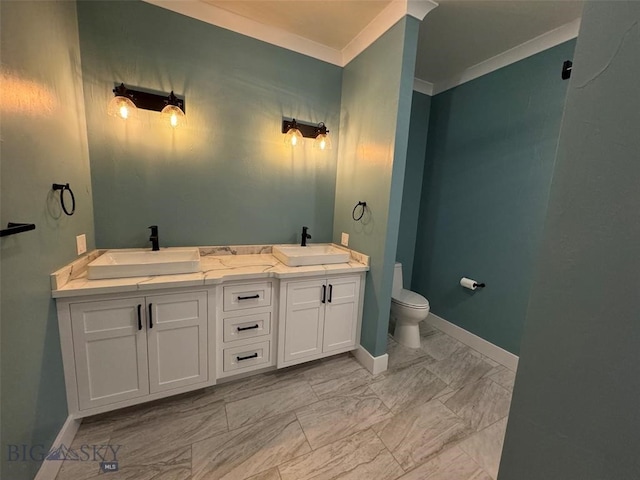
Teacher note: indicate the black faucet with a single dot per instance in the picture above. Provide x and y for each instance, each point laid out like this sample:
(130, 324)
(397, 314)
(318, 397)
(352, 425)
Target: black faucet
(154, 239)
(305, 235)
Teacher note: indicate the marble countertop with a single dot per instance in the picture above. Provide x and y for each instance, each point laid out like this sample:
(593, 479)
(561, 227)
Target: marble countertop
(217, 265)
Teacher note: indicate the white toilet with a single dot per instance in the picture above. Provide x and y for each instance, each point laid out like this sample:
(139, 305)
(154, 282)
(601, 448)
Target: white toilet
(408, 309)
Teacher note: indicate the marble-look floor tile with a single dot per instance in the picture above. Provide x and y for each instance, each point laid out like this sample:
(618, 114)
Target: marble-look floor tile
(481, 356)
(272, 474)
(485, 447)
(257, 384)
(359, 456)
(402, 357)
(440, 345)
(90, 434)
(155, 464)
(247, 451)
(452, 464)
(427, 329)
(503, 377)
(403, 388)
(417, 434)
(329, 420)
(331, 368)
(178, 423)
(460, 368)
(269, 404)
(481, 403)
(342, 384)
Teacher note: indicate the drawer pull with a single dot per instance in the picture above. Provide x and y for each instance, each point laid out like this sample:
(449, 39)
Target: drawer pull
(250, 297)
(139, 317)
(330, 293)
(324, 294)
(151, 315)
(242, 329)
(255, 355)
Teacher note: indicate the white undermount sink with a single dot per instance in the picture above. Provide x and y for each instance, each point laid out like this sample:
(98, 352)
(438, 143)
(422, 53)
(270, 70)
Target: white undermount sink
(139, 262)
(297, 256)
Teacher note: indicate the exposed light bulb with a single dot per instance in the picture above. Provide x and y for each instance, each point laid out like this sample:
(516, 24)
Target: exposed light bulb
(121, 107)
(174, 115)
(322, 142)
(294, 140)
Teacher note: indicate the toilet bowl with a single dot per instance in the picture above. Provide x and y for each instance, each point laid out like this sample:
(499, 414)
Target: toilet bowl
(408, 309)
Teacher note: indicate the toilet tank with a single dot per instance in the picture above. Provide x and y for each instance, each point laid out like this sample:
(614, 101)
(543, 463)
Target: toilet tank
(397, 279)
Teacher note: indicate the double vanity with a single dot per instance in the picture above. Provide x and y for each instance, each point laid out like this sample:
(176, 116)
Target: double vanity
(132, 329)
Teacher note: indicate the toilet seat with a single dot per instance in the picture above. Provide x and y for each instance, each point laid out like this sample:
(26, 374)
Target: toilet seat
(407, 298)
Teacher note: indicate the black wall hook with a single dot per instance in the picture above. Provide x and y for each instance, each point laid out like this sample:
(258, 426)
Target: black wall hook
(62, 187)
(567, 66)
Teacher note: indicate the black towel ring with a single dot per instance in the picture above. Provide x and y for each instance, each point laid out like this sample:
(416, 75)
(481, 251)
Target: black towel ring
(353, 213)
(62, 188)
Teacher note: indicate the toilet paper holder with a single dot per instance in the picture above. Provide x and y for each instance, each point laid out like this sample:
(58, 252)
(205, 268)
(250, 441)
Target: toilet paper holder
(471, 284)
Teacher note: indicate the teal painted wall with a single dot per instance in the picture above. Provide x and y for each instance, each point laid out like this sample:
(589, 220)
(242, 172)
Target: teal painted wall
(43, 140)
(411, 193)
(574, 414)
(227, 178)
(376, 106)
(489, 163)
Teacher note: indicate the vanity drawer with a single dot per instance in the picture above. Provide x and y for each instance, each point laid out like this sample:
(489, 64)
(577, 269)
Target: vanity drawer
(249, 295)
(246, 326)
(239, 358)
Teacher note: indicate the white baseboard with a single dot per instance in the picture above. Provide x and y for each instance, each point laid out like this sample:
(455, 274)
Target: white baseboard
(481, 345)
(375, 365)
(50, 468)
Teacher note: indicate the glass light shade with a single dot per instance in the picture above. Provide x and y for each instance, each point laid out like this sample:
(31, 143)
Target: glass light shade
(293, 137)
(174, 116)
(322, 142)
(122, 107)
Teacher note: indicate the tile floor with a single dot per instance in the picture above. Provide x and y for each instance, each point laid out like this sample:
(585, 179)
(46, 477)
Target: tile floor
(438, 413)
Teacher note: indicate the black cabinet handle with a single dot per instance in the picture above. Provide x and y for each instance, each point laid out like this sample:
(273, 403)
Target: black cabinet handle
(324, 294)
(139, 317)
(250, 297)
(330, 292)
(255, 355)
(150, 315)
(242, 329)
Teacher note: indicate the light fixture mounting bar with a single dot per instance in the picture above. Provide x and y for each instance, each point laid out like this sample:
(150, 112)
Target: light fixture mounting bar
(149, 101)
(308, 130)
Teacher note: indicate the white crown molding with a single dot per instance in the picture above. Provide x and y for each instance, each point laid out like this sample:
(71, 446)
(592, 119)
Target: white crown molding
(386, 19)
(422, 86)
(219, 17)
(250, 28)
(531, 47)
(419, 8)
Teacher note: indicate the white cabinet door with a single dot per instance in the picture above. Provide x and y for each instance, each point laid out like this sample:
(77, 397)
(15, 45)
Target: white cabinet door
(110, 349)
(304, 319)
(177, 335)
(341, 314)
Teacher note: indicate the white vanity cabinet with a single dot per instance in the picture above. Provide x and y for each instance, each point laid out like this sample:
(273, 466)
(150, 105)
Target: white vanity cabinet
(121, 351)
(245, 323)
(319, 317)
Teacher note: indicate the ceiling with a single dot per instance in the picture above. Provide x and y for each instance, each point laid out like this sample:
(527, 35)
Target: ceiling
(453, 37)
(462, 33)
(333, 23)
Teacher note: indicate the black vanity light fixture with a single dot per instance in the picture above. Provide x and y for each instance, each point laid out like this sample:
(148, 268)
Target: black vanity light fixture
(295, 131)
(126, 102)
